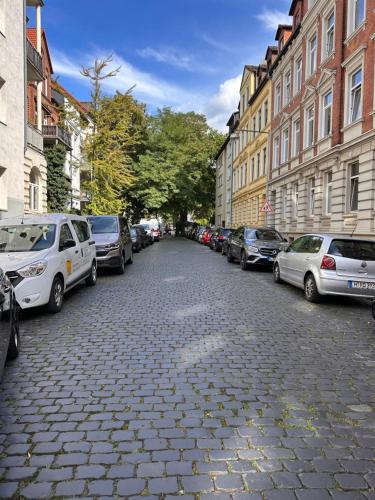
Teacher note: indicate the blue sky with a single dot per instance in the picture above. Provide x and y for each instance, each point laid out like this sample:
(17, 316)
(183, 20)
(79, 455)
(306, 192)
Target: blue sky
(188, 54)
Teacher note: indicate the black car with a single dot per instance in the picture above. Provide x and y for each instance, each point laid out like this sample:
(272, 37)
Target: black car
(137, 240)
(9, 325)
(143, 235)
(254, 246)
(219, 237)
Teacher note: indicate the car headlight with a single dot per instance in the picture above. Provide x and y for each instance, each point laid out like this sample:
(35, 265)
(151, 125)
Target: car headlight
(253, 249)
(112, 246)
(33, 270)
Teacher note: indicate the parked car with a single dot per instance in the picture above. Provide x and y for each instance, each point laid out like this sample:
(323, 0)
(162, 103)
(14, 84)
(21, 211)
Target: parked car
(136, 237)
(46, 255)
(219, 237)
(199, 233)
(155, 231)
(143, 235)
(147, 229)
(254, 246)
(206, 236)
(324, 264)
(9, 325)
(114, 247)
(226, 243)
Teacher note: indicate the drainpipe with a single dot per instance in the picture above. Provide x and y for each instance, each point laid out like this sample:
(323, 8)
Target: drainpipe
(39, 49)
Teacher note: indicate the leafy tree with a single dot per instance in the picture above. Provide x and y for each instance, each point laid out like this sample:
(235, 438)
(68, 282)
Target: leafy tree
(58, 183)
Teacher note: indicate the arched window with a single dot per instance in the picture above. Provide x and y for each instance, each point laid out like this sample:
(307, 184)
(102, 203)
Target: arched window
(34, 189)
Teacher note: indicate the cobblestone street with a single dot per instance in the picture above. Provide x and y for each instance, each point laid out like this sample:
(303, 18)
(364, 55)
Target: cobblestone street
(189, 377)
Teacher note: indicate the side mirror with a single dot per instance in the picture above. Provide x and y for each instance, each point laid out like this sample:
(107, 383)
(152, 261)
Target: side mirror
(284, 247)
(68, 244)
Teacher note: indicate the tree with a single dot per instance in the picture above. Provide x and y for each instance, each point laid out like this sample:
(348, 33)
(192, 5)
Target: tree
(58, 183)
(175, 175)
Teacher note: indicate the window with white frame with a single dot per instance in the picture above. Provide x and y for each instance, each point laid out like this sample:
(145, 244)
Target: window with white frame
(295, 200)
(329, 34)
(298, 75)
(285, 145)
(296, 136)
(276, 151)
(309, 131)
(312, 54)
(355, 95)
(264, 161)
(328, 193)
(326, 114)
(259, 119)
(353, 186)
(278, 98)
(287, 88)
(312, 197)
(265, 118)
(284, 202)
(34, 191)
(356, 14)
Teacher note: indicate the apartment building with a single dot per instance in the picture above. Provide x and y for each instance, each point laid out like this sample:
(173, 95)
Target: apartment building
(12, 106)
(221, 191)
(322, 158)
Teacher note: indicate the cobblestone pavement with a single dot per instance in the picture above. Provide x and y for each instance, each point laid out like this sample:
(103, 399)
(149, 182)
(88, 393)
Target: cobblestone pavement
(189, 377)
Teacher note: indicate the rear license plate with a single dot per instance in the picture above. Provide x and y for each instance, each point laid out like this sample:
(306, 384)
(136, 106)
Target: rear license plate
(361, 285)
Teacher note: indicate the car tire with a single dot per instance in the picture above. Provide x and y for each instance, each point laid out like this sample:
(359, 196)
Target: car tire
(130, 259)
(92, 279)
(243, 262)
(56, 298)
(121, 267)
(14, 341)
(276, 274)
(229, 255)
(311, 290)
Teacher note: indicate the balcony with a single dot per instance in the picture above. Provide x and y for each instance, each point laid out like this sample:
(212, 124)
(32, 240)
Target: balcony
(53, 134)
(34, 138)
(34, 64)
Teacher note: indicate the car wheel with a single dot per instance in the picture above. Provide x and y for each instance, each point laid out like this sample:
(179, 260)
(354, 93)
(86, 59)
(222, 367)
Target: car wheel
(14, 341)
(229, 255)
(243, 262)
(121, 267)
(91, 280)
(276, 274)
(311, 290)
(130, 260)
(56, 297)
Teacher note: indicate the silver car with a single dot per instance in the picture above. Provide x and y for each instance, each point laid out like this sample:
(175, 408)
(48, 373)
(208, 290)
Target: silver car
(324, 264)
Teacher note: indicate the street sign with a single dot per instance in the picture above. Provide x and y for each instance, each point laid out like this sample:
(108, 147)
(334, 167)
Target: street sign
(267, 207)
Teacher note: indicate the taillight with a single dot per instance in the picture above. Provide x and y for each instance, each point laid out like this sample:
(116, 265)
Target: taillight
(221, 238)
(328, 263)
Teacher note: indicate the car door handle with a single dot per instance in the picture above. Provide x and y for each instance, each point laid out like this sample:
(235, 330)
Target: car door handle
(77, 251)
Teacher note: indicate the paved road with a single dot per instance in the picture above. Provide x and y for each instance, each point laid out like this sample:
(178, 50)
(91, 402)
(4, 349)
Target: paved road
(190, 377)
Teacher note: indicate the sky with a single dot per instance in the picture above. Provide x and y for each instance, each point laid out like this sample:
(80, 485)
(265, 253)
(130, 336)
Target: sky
(186, 54)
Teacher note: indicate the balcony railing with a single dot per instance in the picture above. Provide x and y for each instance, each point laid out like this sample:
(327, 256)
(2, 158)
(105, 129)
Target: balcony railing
(35, 64)
(54, 133)
(34, 138)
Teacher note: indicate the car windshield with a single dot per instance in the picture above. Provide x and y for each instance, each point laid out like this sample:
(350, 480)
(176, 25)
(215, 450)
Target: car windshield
(267, 235)
(103, 225)
(145, 226)
(353, 249)
(133, 232)
(225, 232)
(27, 237)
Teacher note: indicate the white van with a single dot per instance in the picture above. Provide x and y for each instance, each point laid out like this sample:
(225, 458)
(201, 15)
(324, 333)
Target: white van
(46, 255)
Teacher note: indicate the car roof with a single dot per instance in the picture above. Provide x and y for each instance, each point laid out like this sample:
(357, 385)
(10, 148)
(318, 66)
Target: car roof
(41, 219)
(334, 236)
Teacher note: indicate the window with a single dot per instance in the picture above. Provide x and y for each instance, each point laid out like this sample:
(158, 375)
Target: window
(34, 191)
(328, 193)
(265, 118)
(312, 53)
(276, 152)
(355, 97)
(82, 230)
(65, 235)
(287, 88)
(284, 202)
(254, 126)
(241, 176)
(245, 174)
(285, 146)
(219, 200)
(298, 75)
(353, 186)
(243, 104)
(327, 114)
(264, 161)
(252, 169)
(278, 98)
(296, 136)
(309, 134)
(258, 165)
(295, 200)
(312, 197)
(259, 119)
(356, 13)
(329, 34)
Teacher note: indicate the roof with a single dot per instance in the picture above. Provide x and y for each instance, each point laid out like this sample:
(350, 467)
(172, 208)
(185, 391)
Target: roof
(285, 48)
(39, 219)
(83, 109)
(292, 7)
(282, 27)
(31, 35)
(222, 147)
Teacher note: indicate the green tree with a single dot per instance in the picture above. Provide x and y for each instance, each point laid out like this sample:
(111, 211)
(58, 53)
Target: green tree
(58, 183)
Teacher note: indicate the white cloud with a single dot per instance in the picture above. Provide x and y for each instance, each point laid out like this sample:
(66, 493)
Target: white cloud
(168, 56)
(222, 104)
(272, 18)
